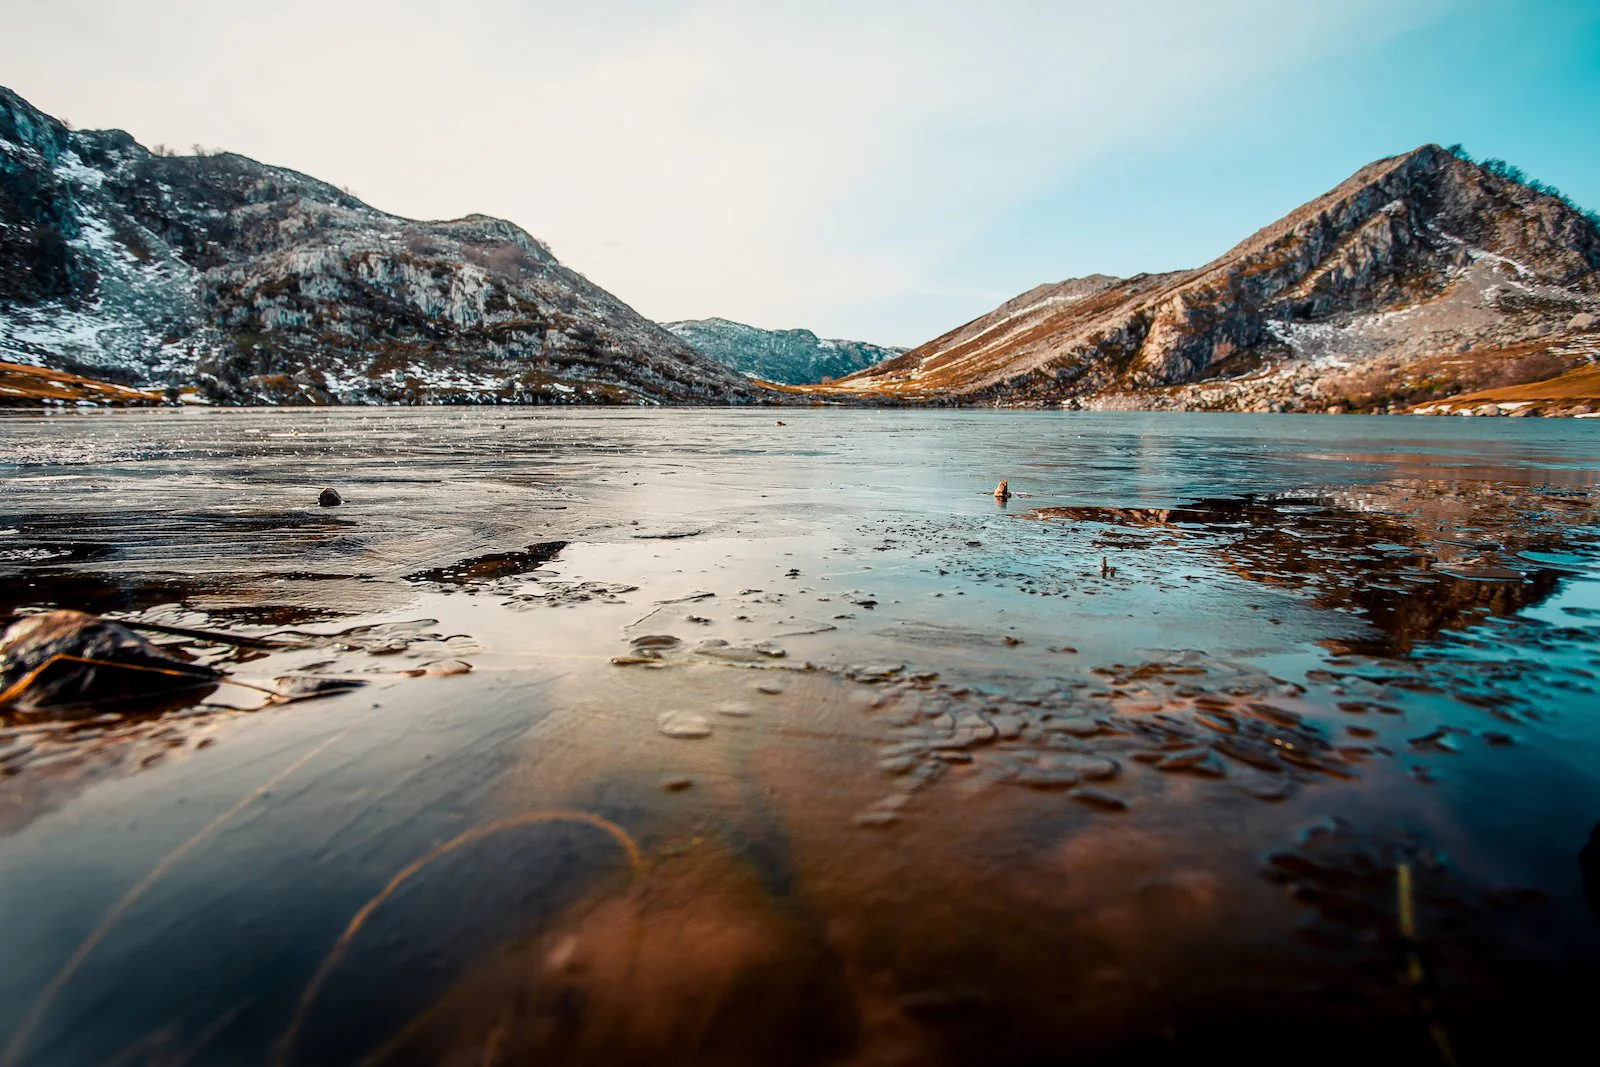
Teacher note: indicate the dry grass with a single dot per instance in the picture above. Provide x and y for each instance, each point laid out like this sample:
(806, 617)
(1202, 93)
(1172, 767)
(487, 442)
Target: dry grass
(1581, 383)
(24, 385)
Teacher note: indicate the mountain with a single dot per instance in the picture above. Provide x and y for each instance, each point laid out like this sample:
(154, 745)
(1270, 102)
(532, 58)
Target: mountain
(790, 357)
(222, 278)
(1421, 277)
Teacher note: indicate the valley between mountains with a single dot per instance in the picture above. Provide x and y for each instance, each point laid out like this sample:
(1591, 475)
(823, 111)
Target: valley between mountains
(1425, 283)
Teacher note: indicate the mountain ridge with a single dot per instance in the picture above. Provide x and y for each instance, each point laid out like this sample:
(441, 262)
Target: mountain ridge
(219, 278)
(215, 278)
(1301, 309)
(789, 357)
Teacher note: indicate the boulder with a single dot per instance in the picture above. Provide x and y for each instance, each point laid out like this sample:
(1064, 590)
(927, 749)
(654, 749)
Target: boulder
(69, 662)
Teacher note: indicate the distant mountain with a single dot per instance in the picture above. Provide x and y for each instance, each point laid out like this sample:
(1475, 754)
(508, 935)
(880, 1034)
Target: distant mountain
(1421, 277)
(790, 357)
(238, 282)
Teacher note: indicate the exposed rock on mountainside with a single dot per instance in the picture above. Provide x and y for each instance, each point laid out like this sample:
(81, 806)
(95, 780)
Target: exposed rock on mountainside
(792, 357)
(1421, 277)
(218, 276)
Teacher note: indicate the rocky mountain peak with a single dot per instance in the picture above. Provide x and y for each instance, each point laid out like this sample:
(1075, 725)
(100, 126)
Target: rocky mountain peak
(788, 357)
(231, 280)
(1411, 257)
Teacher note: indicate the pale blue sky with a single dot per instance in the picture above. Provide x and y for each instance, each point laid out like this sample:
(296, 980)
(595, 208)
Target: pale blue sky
(881, 171)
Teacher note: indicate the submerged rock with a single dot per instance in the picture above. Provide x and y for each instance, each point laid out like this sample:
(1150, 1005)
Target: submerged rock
(655, 641)
(65, 662)
(293, 687)
(683, 725)
(443, 668)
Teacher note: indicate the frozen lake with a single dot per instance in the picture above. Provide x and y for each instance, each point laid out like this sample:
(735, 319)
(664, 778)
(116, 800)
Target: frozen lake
(1275, 736)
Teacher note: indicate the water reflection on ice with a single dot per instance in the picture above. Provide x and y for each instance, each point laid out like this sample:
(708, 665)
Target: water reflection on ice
(790, 738)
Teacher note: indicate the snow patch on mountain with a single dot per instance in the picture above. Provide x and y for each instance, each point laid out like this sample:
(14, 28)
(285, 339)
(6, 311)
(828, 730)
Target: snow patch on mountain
(217, 275)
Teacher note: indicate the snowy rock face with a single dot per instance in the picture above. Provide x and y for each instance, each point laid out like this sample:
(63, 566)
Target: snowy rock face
(235, 282)
(789, 357)
(1421, 276)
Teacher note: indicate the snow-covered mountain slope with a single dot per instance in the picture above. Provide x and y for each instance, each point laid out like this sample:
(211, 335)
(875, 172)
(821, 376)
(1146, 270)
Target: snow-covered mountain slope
(790, 357)
(239, 282)
(1422, 276)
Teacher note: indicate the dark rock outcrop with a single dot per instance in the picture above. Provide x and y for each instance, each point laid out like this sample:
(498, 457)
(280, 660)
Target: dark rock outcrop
(68, 663)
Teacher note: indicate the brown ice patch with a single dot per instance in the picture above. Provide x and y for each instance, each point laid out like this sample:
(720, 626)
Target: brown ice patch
(694, 962)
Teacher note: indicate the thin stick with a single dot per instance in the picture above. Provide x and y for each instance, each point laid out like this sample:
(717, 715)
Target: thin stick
(1408, 911)
(1415, 972)
(209, 635)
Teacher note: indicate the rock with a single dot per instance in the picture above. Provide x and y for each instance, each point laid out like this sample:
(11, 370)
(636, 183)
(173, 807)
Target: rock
(444, 668)
(1045, 775)
(1095, 798)
(677, 783)
(683, 725)
(293, 687)
(900, 763)
(1002, 492)
(969, 730)
(1086, 766)
(1583, 320)
(1008, 727)
(656, 641)
(43, 668)
(1281, 788)
(329, 498)
(1201, 761)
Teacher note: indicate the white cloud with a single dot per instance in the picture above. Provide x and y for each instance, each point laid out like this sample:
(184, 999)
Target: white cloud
(775, 163)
